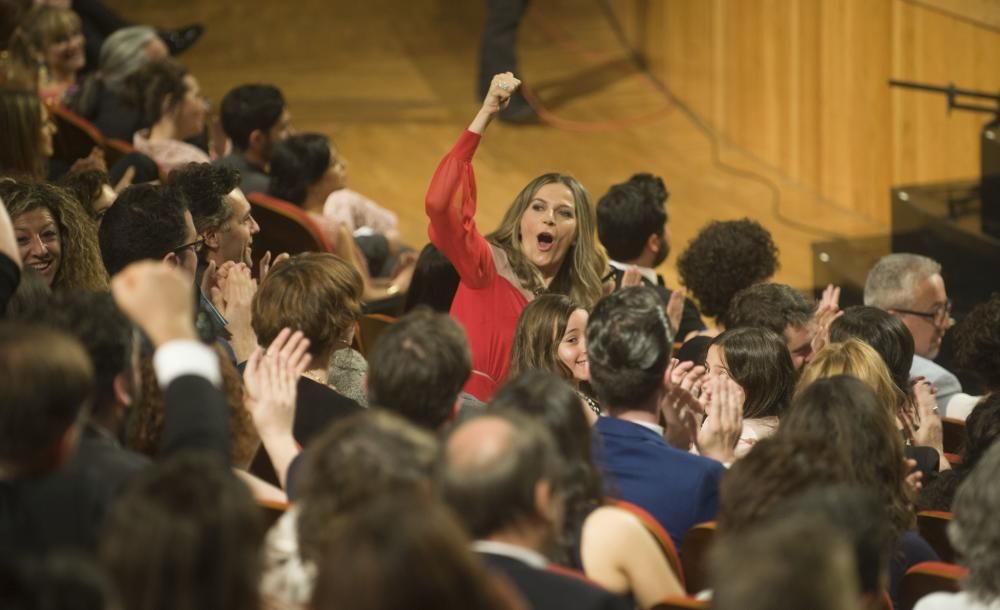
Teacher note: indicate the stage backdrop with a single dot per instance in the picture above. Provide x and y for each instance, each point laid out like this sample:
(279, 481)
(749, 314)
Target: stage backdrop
(802, 85)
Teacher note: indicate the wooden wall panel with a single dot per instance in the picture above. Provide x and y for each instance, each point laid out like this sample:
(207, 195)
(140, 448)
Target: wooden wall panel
(801, 85)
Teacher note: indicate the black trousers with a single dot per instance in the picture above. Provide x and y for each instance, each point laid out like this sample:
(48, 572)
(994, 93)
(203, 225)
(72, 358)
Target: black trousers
(498, 52)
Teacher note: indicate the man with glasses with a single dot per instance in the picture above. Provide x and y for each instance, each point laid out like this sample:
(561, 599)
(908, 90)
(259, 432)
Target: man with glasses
(149, 222)
(910, 286)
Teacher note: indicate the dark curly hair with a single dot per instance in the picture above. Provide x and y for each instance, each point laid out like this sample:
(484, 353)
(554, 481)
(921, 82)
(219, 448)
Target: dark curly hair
(724, 258)
(86, 187)
(205, 186)
(977, 342)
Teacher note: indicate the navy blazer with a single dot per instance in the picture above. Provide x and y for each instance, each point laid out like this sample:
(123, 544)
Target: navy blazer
(544, 590)
(677, 488)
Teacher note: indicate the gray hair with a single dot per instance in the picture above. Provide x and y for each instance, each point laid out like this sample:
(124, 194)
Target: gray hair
(124, 53)
(975, 529)
(891, 281)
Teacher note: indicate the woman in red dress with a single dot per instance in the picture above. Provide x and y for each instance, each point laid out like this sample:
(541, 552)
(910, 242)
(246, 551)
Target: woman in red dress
(546, 243)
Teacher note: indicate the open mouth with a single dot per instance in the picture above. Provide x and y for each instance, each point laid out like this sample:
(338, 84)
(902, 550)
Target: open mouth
(545, 241)
(42, 267)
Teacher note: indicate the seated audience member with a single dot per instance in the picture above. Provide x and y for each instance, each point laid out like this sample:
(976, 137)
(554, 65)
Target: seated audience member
(845, 413)
(551, 336)
(27, 131)
(50, 37)
(403, 552)
(417, 369)
(632, 226)
(185, 534)
(974, 534)
(92, 189)
(799, 562)
(172, 104)
(915, 417)
(47, 378)
(855, 515)
(785, 311)
(106, 335)
(320, 295)
(303, 172)
(255, 118)
(307, 170)
(910, 286)
(723, 259)
(102, 94)
(346, 469)
(883, 332)
(55, 236)
(756, 359)
(977, 346)
(149, 222)
(982, 429)
(434, 281)
(220, 211)
(503, 478)
(628, 346)
(609, 544)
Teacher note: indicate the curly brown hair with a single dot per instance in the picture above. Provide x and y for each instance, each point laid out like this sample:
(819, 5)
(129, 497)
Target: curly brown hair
(80, 267)
(723, 259)
(145, 426)
(977, 342)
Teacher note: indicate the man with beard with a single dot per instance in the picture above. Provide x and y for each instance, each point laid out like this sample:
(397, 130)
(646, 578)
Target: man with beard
(632, 226)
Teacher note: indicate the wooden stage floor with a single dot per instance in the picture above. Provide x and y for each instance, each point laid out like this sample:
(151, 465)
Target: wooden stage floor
(392, 81)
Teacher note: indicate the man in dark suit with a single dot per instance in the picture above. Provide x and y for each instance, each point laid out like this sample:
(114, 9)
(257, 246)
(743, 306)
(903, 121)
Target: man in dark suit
(47, 378)
(629, 349)
(632, 226)
(500, 475)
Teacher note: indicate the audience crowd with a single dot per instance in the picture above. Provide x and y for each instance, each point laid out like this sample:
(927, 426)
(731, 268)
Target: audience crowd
(188, 423)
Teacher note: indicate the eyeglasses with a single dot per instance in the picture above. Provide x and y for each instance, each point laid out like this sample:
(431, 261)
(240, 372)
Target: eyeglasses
(940, 316)
(194, 246)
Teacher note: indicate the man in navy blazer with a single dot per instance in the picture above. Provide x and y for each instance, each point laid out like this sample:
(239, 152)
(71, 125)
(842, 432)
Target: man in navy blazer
(629, 347)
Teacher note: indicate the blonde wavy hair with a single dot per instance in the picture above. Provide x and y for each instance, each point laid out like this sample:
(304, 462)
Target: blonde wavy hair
(861, 361)
(579, 276)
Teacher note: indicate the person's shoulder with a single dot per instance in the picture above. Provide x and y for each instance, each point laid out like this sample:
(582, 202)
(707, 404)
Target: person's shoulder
(558, 588)
(933, 371)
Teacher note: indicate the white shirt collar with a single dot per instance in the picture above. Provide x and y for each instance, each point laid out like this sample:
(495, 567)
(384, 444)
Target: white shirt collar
(646, 272)
(655, 428)
(532, 558)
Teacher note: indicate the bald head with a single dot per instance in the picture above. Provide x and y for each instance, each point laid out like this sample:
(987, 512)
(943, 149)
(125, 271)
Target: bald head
(492, 467)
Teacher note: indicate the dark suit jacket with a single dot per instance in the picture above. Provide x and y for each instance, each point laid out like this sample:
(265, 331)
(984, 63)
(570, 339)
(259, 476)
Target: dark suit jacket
(64, 508)
(677, 488)
(690, 318)
(545, 590)
(316, 408)
(101, 457)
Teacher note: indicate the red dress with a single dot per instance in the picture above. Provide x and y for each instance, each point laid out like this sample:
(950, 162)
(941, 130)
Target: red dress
(489, 299)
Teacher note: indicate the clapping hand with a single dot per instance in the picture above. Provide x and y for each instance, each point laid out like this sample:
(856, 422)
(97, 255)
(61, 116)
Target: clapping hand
(827, 311)
(270, 378)
(679, 406)
(723, 422)
(158, 299)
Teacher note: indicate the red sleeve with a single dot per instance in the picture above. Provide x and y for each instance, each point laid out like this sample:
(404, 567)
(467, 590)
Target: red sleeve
(451, 208)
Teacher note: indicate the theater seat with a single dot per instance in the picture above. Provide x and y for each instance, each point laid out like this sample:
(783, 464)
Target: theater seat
(695, 547)
(76, 136)
(656, 530)
(953, 431)
(284, 227)
(933, 527)
(926, 578)
(369, 327)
